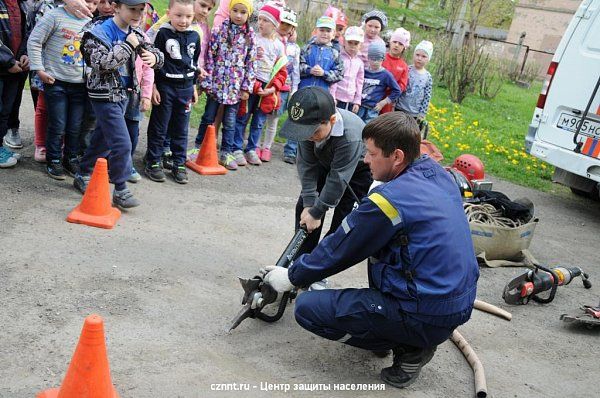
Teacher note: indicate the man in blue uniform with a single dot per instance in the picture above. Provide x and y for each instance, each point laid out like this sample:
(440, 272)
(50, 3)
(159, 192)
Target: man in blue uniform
(422, 267)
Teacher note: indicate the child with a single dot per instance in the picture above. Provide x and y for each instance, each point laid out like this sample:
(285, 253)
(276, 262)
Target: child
(105, 8)
(271, 74)
(320, 63)
(393, 62)
(13, 61)
(375, 22)
(377, 80)
(341, 23)
(348, 92)
(174, 91)
(287, 26)
(54, 48)
(415, 100)
(108, 52)
(293, 52)
(230, 77)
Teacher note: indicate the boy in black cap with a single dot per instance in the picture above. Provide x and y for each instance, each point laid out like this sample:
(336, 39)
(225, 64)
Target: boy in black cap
(330, 157)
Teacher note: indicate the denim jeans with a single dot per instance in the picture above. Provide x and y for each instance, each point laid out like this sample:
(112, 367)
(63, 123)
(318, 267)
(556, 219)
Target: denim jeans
(110, 140)
(367, 114)
(256, 125)
(227, 125)
(65, 103)
(171, 118)
(290, 148)
(9, 86)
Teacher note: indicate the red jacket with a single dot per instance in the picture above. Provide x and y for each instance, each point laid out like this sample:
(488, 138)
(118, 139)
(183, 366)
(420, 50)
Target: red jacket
(399, 69)
(270, 103)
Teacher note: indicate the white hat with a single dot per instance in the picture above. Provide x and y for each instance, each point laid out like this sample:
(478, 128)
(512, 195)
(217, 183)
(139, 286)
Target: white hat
(354, 33)
(426, 47)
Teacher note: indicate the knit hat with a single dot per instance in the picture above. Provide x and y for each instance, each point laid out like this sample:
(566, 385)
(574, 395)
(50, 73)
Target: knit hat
(247, 3)
(341, 20)
(326, 22)
(378, 15)
(402, 36)
(354, 33)
(425, 46)
(270, 12)
(289, 16)
(376, 51)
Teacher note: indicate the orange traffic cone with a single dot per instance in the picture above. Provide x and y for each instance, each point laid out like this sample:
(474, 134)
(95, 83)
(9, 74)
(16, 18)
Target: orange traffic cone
(207, 162)
(95, 209)
(88, 375)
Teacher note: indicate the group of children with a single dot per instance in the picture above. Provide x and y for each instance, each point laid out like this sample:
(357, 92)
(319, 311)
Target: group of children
(94, 79)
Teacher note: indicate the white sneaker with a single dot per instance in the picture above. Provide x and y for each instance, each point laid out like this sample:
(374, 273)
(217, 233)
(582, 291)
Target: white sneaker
(12, 139)
(320, 285)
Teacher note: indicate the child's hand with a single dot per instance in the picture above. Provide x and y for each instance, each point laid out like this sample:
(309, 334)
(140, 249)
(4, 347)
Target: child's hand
(46, 78)
(145, 104)
(244, 95)
(264, 92)
(195, 96)
(148, 58)
(355, 108)
(203, 73)
(155, 96)
(133, 40)
(317, 71)
(381, 104)
(16, 68)
(24, 63)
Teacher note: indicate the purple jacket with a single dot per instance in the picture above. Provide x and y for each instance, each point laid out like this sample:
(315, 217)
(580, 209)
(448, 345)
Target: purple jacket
(230, 62)
(350, 88)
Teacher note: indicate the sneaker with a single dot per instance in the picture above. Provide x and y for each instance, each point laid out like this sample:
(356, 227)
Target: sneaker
(240, 159)
(125, 199)
(167, 160)
(258, 152)
(6, 158)
(227, 160)
(13, 139)
(252, 158)
(55, 170)
(40, 154)
(155, 172)
(289, 159)
(320, 285)
(80, 182)
(71, 166)
(407, 365)
(265, 155)
(179, 174)
(192, 154)
(135, 176)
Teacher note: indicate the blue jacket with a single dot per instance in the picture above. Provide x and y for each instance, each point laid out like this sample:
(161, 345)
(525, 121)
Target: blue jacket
(415, 234)
(328, 58)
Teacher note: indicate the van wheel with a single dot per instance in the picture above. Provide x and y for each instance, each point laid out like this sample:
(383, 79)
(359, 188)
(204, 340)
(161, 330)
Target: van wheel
(594, 195)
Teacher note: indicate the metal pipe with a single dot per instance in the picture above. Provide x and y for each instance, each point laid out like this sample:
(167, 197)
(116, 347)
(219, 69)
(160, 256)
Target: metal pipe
(474, 362)
(492, 309)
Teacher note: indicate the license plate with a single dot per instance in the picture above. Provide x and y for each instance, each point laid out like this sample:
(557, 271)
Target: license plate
(569, 122)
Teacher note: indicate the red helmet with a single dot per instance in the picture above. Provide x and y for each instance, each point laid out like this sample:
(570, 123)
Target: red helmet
(470, 166)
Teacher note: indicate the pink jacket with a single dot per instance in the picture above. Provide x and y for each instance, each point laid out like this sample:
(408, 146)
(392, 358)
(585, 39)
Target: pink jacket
(350, 88)
(364, 49)
(221, 14)
(145, 76)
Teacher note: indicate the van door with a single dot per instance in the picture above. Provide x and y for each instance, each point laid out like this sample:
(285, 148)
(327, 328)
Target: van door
(573, 83)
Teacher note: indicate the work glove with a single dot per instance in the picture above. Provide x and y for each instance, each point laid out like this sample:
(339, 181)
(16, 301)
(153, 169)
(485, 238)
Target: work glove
(277, 278)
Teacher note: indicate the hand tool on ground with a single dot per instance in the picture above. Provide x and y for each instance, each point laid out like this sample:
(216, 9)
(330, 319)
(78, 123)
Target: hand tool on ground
(257, 293)
(528, 285)
(587, 315)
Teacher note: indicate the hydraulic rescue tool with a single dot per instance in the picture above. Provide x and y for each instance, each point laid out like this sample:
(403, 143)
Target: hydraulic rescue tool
(527, 286)
(257, 293)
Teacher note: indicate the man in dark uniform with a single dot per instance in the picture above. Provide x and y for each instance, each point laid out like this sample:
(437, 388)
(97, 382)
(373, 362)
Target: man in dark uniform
(422, 267)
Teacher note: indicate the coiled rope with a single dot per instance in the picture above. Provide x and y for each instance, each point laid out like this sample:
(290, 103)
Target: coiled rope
(488, 214)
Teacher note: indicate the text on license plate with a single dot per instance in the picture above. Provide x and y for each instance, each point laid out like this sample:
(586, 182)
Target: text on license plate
(569, 122)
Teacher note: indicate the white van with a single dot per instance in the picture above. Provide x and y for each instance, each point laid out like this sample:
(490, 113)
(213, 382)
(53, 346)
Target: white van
(570, 88)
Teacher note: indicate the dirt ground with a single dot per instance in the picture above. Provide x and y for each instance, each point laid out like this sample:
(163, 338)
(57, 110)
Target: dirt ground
(165, 281)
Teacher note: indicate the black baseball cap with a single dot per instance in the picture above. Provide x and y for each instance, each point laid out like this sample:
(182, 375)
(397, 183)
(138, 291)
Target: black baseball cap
(307, 108)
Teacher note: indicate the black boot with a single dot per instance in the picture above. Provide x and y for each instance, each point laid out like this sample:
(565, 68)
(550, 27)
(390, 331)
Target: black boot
(407, 365)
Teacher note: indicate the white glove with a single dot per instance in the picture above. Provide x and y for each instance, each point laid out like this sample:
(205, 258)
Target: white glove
(277, 278)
